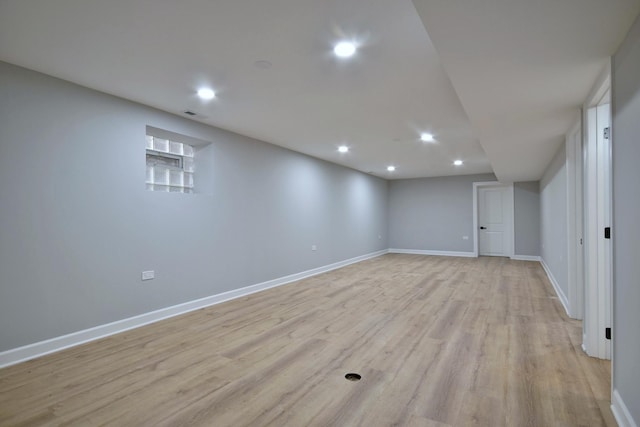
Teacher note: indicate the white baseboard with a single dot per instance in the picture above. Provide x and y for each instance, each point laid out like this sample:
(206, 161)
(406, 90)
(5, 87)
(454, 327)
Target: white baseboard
(31, 351)
(526, 258)
(561, 296)
(436, 253)
(620, 411)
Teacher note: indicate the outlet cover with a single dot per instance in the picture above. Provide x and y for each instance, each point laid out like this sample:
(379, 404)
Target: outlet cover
(148, 275)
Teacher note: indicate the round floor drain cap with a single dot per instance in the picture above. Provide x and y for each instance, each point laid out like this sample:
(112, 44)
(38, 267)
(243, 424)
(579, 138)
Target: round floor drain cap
(352, 376)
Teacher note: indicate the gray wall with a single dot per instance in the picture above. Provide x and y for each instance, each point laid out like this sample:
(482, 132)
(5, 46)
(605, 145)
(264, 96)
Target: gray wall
(433, 213)
(553, 219)
(626, 212)
(526, 197)
(77, 226)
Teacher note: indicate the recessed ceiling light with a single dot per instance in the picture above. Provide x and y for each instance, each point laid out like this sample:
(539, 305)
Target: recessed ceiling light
(343, 149)
(344, 49)
(206, 93)
(426, 137)
(457, 162)
(391, 168)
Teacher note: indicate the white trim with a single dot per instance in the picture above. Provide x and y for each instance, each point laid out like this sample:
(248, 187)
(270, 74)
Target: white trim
(526, 258)
(434, 253)
(597, 261)
(620, 411)
(512, 208)
(600, 88)
(593, 340)
(591, 235)
(31, 351)
(603, 220)
(575, 271)
(561, 296)
(512, 224)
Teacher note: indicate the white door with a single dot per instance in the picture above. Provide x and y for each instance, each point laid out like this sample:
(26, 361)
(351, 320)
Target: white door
(494, 234)
(597, 262)
(575, 223)
(604, 221)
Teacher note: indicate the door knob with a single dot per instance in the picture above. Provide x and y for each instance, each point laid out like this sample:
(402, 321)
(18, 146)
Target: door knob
(483, 228)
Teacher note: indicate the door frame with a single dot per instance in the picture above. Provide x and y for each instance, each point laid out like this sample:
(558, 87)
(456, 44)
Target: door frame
(575, 221)
(510, 209)
(598, 310)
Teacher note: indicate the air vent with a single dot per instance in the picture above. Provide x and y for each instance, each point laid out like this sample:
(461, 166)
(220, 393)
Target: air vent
(190, 113)
(352, 376)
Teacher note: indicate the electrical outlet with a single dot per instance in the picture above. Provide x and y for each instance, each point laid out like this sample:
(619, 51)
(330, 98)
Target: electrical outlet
(148, 275)
(465, 237)
(314, 248)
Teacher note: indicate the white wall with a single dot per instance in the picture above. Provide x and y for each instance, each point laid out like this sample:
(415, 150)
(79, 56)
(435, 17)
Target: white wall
(526, 218)
(433, 214)
(553, 220)
(625, 228)
(77, 226)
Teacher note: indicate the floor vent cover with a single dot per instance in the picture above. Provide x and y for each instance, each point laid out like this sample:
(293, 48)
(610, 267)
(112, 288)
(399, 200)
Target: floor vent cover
(351, 376)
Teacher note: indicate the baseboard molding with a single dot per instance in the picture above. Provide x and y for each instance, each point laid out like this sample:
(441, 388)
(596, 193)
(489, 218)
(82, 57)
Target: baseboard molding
(31, 351)
(436, 253)
(526, 258)
(620, 411)
(561, 296)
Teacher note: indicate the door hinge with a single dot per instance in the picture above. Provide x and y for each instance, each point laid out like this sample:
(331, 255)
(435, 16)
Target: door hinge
(607, 333)
(606, 133)
(607, 232)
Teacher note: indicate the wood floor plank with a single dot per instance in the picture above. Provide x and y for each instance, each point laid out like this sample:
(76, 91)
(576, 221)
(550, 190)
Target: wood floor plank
(438, 341)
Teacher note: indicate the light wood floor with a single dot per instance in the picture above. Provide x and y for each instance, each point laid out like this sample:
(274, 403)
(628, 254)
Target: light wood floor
(438, 341)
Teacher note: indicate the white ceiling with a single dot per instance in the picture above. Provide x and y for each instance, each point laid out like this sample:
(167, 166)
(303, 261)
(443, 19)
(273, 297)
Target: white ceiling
(521, 69)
